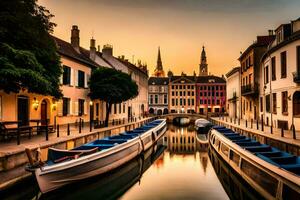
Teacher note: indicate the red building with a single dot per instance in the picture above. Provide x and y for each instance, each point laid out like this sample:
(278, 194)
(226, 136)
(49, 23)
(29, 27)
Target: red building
(210, 94)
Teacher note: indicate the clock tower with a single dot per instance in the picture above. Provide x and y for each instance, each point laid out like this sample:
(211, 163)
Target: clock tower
(203, 64)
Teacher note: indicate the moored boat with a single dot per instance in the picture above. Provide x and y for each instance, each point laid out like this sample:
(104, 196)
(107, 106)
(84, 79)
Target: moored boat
(273, 173)
(98, 157)
(203, 126)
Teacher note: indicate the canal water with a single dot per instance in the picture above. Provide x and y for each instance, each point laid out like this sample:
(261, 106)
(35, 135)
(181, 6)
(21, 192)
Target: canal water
(180, 166)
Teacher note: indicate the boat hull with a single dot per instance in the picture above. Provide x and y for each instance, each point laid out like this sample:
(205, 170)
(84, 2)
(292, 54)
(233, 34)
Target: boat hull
(99, 163)
(268, 180)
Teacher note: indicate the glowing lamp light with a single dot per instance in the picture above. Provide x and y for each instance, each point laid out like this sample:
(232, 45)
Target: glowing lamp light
(54, 105)
(35, 103)
(91, 103)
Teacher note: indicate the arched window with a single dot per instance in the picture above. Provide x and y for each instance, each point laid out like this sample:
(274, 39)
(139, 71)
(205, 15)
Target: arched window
(151, 110)
(296, 104)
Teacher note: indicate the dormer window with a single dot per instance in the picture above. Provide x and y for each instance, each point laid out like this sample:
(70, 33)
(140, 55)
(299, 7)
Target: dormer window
(279, 36)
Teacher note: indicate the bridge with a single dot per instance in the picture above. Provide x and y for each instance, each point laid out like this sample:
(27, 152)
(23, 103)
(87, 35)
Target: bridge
(170, 117)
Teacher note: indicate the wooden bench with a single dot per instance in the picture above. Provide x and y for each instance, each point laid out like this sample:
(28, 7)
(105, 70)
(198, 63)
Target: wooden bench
(12, 128)
(41, 127)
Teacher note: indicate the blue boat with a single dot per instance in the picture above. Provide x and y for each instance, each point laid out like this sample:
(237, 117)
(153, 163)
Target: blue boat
(273, 173)
(98, 157)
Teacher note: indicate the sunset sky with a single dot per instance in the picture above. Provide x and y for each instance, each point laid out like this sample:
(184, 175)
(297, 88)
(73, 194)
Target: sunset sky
(179, 27)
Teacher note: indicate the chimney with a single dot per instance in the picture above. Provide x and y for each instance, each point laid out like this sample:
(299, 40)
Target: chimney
(271, 32)
(93, 49)
(75, 37)
(98, 48)
(107, 50)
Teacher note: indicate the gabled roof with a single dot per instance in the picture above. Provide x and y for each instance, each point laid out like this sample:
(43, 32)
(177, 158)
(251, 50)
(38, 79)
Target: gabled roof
(158, 81)
(190, 79)
(262, 41)
(233, 71)
(210, 79)
(132, 66)
(66, 49)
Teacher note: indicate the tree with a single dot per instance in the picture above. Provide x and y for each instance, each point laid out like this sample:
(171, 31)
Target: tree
(28, 54)
(111, 86)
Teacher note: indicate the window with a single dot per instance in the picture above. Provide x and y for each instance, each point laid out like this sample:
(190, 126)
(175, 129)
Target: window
(120, 108)
(124, 108)
(261, 104)
(192, 93)
(274, 100)
(192, 102)
(180, 93)
(80, 107)
(283, 64)
(268, 103)
(173, 102)
(184, 102)
(156, 99)
(250, 107)
(250, 79)
(284, 96)
(66, 75)
(173, 93)
(97, 109)
(296, 104)
(115, 108)
(176, 102)
(173, 87)
(66, 106)
(266, 74)
(273, 63)
(151, 99)
(181, 102)
(189, 103)
(189, 93)
(165, 99)
(80, 78)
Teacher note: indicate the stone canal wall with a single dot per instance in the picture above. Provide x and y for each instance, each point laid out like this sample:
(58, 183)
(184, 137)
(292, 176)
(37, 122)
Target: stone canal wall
(12, 163)
(285, 144)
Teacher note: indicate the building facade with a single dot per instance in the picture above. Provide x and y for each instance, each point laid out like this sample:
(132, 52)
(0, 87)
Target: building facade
(250, 76)
(158, 95)
(280, 83)
(210, 94)
(233, 92)
(182, 94)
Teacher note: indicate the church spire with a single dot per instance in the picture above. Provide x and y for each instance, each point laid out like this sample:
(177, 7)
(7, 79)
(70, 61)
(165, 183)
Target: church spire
(159, 63)
(159, 71)
(203, 63)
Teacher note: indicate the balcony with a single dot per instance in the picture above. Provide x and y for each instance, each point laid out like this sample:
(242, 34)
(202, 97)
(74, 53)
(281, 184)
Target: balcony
(296, 76)
(251, 89)
(234, 97)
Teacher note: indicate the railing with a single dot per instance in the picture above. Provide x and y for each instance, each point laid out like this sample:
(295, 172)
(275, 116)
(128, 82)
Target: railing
(250, 89)
(296, 76)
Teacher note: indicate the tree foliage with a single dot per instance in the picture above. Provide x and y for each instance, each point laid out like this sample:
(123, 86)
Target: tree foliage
(111, 86)
(28, 58)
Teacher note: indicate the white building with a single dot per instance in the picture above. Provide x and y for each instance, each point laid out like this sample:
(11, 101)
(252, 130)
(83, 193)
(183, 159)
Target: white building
(233, 92)
(280, 83)
(158, 95)
(135, 107)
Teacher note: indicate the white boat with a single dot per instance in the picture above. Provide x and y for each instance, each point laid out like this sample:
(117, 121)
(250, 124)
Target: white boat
(203, 125)
(100, 156)
(273, 173)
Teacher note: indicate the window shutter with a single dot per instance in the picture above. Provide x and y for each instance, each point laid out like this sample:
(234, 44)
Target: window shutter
(85, 107)
(76, 108)
(76, 77)
(59, 108)
(72, 77)
(86, 80)
(71, 107)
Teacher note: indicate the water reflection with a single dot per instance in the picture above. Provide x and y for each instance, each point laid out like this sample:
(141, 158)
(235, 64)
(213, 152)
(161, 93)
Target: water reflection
(183, 172)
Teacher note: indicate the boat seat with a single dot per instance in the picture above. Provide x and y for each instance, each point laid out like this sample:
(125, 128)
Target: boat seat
(230, 135)
(276, 153)
(120, 137)
(218, 127)
(261, 148)
(242, 140)
(294, 168)
(108, 141)
(285, 159)
(267, 159)
(247, 144)
(237, 138)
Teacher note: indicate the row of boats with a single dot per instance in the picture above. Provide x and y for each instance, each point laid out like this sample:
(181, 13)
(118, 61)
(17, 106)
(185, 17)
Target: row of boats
(274, 174)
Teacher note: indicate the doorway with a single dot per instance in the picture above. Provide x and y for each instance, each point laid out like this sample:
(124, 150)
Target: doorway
(23, 110)
(44, 112)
